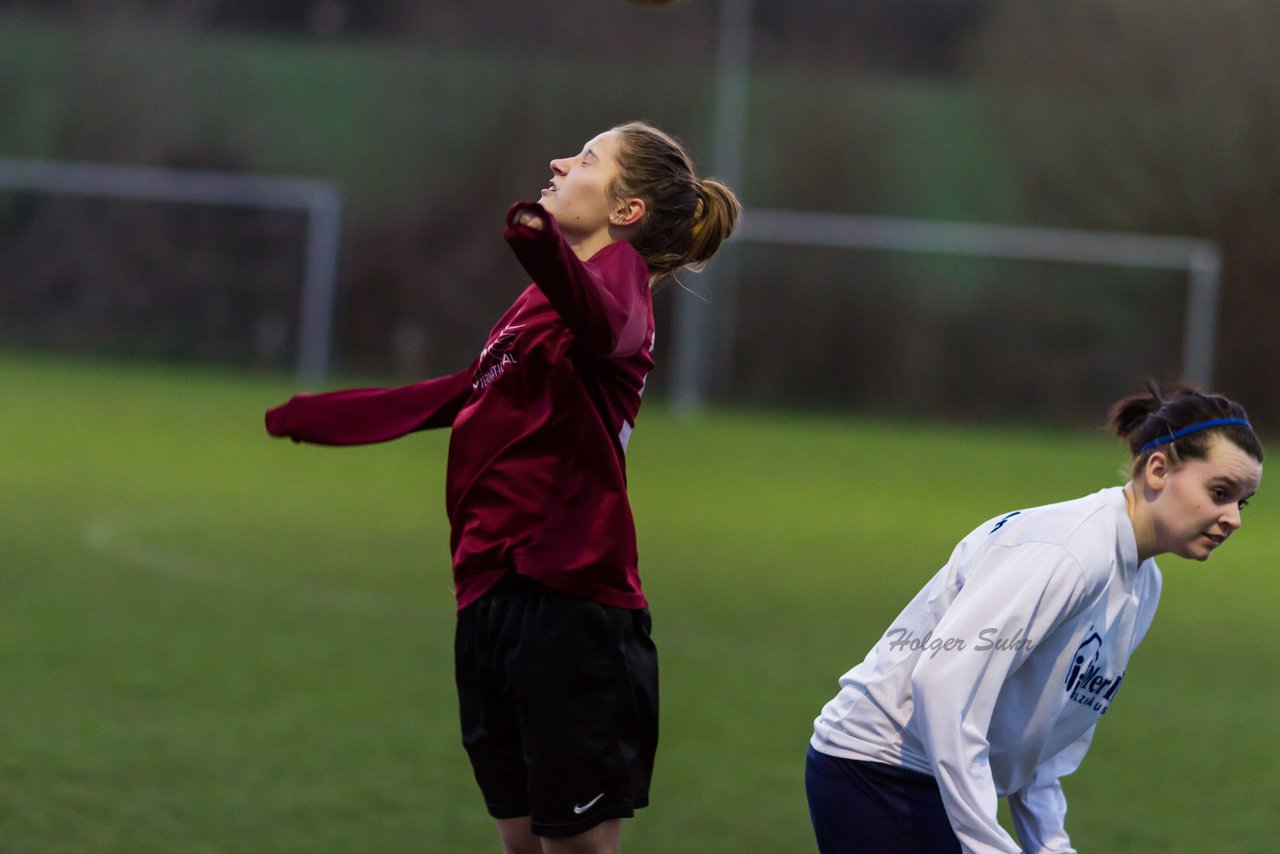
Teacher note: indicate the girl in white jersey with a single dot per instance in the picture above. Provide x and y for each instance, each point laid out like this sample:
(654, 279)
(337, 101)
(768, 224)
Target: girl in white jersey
(991, 681)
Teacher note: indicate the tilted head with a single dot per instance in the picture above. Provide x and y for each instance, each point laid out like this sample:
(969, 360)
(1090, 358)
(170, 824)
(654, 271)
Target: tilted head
(1196, 463)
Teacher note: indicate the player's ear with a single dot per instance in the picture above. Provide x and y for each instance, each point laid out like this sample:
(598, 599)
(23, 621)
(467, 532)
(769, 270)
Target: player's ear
(1156, 470)
(627, 212)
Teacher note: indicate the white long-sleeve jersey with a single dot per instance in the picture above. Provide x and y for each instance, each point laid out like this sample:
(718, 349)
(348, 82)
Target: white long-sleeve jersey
(993, 677)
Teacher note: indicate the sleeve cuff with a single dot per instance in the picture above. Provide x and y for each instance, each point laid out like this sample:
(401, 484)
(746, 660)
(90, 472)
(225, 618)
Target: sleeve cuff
(551, 231)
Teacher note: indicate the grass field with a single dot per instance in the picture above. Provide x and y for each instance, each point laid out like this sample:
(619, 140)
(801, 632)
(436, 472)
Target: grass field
(215, 642)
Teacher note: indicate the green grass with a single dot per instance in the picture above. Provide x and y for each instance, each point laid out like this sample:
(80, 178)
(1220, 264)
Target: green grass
(211, 641)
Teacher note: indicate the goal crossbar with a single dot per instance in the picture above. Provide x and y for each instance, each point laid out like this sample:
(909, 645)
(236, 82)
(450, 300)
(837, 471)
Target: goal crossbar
(1200, 259)
(319, 200)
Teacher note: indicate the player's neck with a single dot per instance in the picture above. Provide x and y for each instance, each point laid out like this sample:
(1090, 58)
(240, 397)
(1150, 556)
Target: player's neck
(584, 246)
(1143, 531)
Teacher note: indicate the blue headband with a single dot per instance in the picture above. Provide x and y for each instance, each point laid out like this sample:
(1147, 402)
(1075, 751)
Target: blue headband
(1194, 428)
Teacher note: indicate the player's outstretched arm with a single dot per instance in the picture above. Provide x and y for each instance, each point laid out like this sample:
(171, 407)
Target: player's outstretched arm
(368, 415)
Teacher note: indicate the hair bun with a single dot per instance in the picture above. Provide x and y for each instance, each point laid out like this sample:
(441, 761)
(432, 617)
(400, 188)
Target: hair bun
(1144, 420)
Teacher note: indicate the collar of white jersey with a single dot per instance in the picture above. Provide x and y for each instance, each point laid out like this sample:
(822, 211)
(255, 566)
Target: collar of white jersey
(1128, 542)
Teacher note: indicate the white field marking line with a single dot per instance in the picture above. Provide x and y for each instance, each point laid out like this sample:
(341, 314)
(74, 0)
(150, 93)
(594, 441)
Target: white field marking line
(114, 536)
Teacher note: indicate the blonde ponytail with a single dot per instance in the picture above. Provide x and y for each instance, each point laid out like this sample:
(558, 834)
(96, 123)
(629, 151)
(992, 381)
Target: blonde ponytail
(713, 221)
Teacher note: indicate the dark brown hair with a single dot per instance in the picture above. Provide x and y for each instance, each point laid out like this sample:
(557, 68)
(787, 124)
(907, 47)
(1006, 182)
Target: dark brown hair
(686, 217)
(1144, 418)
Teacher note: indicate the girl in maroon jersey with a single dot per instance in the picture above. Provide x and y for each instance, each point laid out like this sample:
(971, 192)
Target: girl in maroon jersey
(557, 674)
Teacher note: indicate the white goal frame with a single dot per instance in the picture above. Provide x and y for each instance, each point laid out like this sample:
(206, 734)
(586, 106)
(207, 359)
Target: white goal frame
(696, 351)
(319, 200)
(698, 357)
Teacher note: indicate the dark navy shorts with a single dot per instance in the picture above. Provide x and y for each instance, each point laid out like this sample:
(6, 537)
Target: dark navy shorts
(872, 808)
(559, 704)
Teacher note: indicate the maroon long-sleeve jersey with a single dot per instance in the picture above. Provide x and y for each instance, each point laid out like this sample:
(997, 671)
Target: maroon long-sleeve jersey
(536, 478)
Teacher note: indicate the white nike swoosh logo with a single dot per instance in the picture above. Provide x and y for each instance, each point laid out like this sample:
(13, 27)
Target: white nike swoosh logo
(579, 810)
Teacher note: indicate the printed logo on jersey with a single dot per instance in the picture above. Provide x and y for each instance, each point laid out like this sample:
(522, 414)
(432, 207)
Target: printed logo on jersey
(1000, 524)
(496, 357)
(1086, 682)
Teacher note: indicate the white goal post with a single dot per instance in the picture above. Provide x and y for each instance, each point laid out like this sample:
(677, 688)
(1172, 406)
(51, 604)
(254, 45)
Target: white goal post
(696, 350)
(319, 200)
(697, 356)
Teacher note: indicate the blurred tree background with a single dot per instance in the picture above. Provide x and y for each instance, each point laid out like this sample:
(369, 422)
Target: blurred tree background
(1154, 117)
(432, 117)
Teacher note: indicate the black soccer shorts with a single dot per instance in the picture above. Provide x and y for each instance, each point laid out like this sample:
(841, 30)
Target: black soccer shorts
(559, 704)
